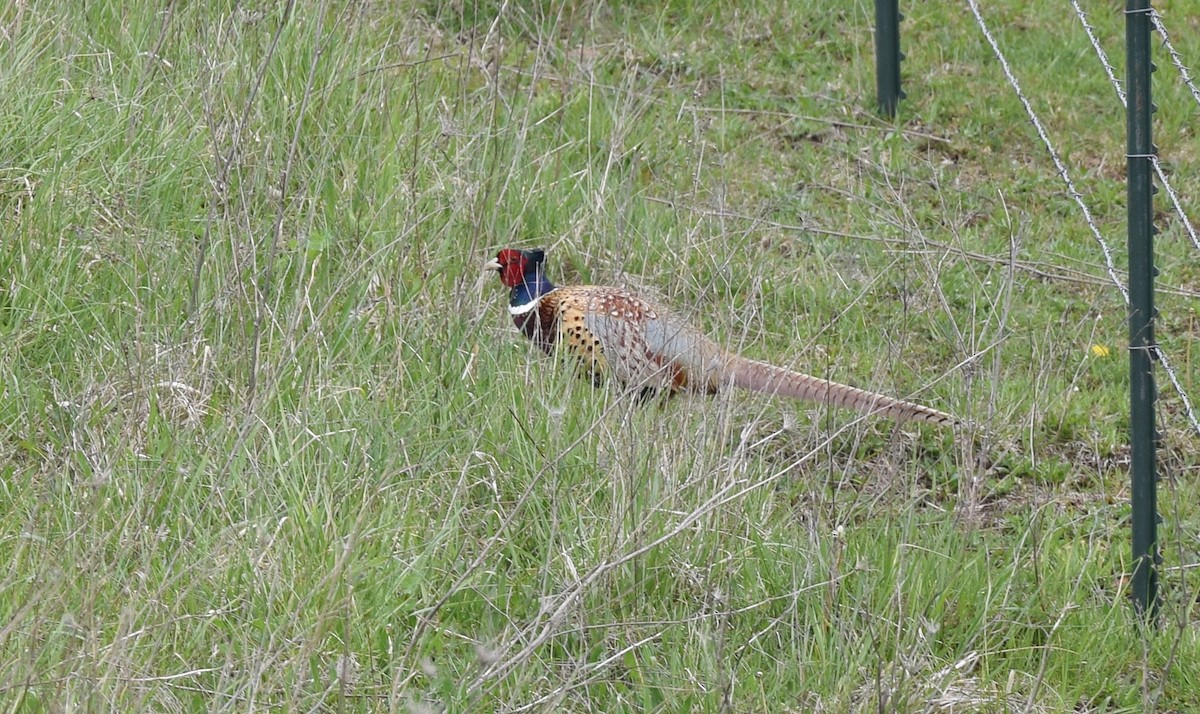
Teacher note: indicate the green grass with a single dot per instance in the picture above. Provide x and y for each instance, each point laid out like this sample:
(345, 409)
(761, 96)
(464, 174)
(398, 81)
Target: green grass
(270, 441)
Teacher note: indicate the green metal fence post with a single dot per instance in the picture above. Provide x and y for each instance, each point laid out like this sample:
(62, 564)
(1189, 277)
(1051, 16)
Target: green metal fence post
(1142, 348)
(888, 55)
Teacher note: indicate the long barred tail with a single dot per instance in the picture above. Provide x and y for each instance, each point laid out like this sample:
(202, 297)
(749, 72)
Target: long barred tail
(769, 379)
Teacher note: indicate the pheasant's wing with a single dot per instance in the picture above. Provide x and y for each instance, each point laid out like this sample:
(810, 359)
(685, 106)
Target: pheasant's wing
(601, 328)
(640, 344)
(608, 322)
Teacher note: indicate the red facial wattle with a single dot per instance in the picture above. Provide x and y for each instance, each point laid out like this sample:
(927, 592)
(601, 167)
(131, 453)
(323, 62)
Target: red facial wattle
(512, 267)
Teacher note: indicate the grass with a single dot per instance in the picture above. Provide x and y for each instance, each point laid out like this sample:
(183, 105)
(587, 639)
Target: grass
(270, 441)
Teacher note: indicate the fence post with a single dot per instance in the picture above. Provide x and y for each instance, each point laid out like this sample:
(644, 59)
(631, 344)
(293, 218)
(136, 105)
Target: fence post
(1142, 347)
(888, 55)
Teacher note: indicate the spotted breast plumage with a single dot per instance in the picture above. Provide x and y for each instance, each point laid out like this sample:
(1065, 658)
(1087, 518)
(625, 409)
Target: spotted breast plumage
(611, 331)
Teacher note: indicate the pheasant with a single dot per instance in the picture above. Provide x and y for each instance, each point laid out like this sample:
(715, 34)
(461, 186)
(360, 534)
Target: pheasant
(611, 331)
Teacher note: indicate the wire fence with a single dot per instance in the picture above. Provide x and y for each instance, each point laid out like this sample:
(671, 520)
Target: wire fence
(1141, 276)
(1144, 474)
(1116, 84)
(1055, 156)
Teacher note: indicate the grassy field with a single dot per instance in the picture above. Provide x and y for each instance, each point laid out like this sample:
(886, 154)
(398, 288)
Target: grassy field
(268, 440)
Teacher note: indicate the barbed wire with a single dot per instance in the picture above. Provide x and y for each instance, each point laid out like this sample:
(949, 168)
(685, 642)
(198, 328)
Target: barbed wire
(1054, 156)
(1108, 68)
(1116, 83)
(1075, 195)
(1167, 188)
(1161, 29)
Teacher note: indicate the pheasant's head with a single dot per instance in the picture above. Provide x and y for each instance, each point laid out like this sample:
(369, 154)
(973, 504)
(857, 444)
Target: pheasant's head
(521, 270)
(517, 266)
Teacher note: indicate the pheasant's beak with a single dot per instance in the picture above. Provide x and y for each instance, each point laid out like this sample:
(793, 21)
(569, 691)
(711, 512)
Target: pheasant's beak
(492, 264)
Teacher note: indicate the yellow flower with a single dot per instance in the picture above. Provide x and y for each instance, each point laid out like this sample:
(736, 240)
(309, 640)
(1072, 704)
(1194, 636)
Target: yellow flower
(1100, 351)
